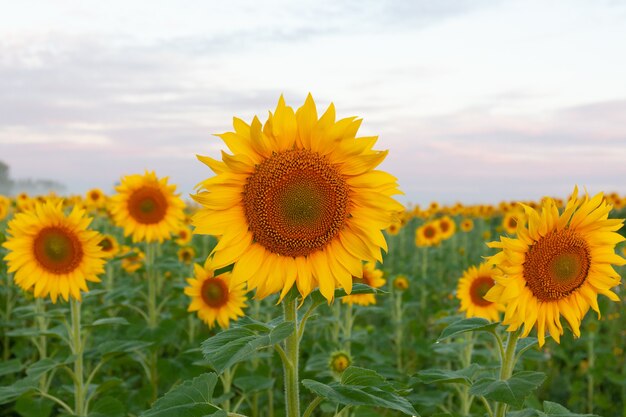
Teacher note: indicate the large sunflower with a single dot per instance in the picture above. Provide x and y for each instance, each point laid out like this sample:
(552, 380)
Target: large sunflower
(471, 291)
(54, 253)
(212, 298)
(147, 208)
(299, 201)
(557, 265)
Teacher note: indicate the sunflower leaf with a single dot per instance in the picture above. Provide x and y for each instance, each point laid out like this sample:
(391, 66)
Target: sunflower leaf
(443, 376)
(474, 324)
(366, 392)
(512, 391)
(557, 410)
(192, 398)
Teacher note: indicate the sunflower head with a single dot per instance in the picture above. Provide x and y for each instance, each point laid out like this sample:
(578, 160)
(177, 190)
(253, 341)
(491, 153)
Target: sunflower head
(471, 290)
(428, 235)
(212, 297)
(183, 235)
(401, 283)
(298, 202)
(109, 246)
(467, 225)
(372, 277)
(132, 260)
(186, 254)
(557, 265)
(95, 198)
(52, 253)
(510, 221)
(4, 211)
(447, 227)
(147, 207)
(339, 362)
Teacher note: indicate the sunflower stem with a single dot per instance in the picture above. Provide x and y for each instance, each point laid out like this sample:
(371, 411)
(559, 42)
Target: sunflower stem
(347, 329)
(466, 399)
(153, 319)
(6, 342)
(77, 350)
(42, 346)
(290, 363)
(591, 362)
(506, 368)
(398, 334)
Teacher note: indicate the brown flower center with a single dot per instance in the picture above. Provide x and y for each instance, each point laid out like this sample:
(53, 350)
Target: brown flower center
(444, 226)
(557, 265)
(295, 202)
(479, 287)
(58, 250)
(214, 292)
(106, 244)
(429, 232)
(147, 205)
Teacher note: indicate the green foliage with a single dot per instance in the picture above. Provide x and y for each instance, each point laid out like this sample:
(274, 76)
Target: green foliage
(512, 391)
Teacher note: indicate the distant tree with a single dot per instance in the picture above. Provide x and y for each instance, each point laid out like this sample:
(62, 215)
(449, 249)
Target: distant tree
(5, 181)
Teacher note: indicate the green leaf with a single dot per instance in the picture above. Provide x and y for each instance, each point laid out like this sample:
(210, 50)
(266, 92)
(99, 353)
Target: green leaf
(11, 392)
(557, 410)
(190, 399)
(253, 383)
(121, 346)
(513, 391)
(108, 322)
(239, 343)
(10, 367)
(45, 365)
(443, 376)
(30, 406)
(360, 386)
(474, 324)
(107, 407)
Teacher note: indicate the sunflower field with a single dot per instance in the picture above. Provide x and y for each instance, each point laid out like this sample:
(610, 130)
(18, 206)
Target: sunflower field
(295, 284)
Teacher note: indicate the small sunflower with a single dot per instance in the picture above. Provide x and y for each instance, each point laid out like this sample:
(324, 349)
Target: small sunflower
(4, 212)
(183, 236)
(212, 298)
(447, 227)
(372, 277)
(467, 225)
(147, 208)
(394, 228)
(427, 235)
(133, 259)
(401, 283)
(471, 291)
(339, 362)
(53, 253)
(109, 246)
(186, 254)
(510, 221)
(95, 198)
(557, 265)
(299, 202)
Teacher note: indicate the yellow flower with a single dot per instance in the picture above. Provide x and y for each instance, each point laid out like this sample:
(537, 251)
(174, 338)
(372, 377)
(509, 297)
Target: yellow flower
(394, 228)
(186, 254)
(372, 277)
(467, 225)
(147, 208)
(428, 235)
(4, 211)
(511, 220)
(132, 260)
(557, 265)
(53, 253)
(447, 227)
(401, 283)
(212, 298)
(471, 291)
(339, 362)
(298, 203)
(183, 236)
(109, 246)
(95, 198)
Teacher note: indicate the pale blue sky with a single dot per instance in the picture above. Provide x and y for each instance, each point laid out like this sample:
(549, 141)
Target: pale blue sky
(477, 101)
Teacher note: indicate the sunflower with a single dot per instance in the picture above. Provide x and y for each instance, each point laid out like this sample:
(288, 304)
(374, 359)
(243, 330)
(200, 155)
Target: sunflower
(109, 246)
(54, 253)
(471, 291)
(339, 362)
(557, 265)
(4, 211)
(372, 277)
(427, 235)
(183, 235)
(299, 202)
(467, 225)
(147, 207)
(510, 221)
(132, 259)
(401, 283)
(186, 254)
(394, 228)
(447, 227)
(213, 298)
(95, 198)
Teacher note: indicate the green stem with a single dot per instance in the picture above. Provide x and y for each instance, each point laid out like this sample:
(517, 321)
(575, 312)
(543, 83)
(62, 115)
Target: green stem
(347, 328)
(290, 365)
(312, 406)
(6, 342)
(466, 401)
(77, 350)
(591, 362)
(153, 319)
(398, 328)
(506, 368)
(42, 325)
(227, 379)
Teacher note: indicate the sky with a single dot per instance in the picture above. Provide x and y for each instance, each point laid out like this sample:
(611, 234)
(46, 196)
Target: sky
(477, 101)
